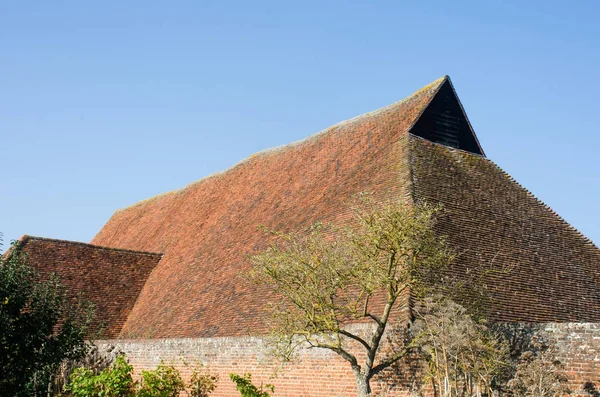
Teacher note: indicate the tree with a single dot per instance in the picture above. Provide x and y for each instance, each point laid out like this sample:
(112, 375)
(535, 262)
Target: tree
(536, 370)
(467, 356)
(40, 328)
(330, 277)
(463, 356)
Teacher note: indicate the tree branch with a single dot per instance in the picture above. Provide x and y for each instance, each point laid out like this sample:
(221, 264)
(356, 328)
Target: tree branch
(339, 350)
(356, 338)
(383, 365)
(374, 318)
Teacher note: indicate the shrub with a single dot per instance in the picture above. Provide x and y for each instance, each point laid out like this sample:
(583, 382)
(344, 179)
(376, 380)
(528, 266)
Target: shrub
(40, 326)
(202, 383)
(247, 389)
(95, 361)
(83, 383)
(164, 381)
(115, 381)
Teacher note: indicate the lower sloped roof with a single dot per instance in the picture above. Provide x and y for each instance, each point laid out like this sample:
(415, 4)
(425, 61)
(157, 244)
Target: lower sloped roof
(108, 277)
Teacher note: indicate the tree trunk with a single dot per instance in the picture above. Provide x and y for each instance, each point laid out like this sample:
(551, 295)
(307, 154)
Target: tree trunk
(363, 386)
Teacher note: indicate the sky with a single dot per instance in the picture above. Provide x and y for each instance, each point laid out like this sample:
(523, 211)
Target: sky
(106, 103)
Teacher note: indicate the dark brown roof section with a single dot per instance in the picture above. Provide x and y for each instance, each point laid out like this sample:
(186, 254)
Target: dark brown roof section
(110, 278)
(545, 270)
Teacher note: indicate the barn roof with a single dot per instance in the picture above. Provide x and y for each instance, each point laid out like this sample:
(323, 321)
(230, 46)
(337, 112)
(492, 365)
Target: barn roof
(108, 277)
(421, 148)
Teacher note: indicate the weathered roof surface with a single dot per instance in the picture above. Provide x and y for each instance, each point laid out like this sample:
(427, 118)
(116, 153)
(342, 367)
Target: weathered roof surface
(549, 271)
(208, 229)
(110, 278)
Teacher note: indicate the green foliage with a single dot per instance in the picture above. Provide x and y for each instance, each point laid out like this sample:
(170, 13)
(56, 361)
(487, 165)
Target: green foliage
(247, 389)
(114, 381)
(164, 381)
(117, 381)
(40, 328)
(202, 383)
(83, 383)
(94, 360)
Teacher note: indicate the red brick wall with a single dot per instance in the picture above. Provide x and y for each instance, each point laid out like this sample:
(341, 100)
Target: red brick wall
(579, 351)
(321, 372)
(317, 372)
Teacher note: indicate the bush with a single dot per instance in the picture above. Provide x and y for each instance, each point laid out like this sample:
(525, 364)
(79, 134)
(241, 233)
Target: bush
(41, 326)
(247, 389)
(164, 381)
(115, 381)
(202, 383)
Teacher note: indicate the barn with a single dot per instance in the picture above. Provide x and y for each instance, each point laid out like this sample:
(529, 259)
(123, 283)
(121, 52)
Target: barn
(168, 273)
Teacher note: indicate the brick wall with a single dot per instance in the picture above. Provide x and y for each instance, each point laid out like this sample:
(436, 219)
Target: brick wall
(579, 350)
(322, 373)
(316, 372)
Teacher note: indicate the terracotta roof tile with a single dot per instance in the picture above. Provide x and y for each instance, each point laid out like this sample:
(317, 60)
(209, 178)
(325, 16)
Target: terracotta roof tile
(553, 271)
(110, 278)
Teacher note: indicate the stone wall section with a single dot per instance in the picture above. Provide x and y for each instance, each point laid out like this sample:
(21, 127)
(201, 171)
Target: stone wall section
(579, 350)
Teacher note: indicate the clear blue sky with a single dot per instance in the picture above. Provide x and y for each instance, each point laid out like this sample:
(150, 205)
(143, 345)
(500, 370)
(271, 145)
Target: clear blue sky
(105, 103)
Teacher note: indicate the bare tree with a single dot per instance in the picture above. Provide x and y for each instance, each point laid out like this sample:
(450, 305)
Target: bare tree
(466, 356)
(537, 372)
(330, 277)
(463, 356)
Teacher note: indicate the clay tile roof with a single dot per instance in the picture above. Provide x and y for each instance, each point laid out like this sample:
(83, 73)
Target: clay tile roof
(550, 272)
(110, 278)
(207, 229)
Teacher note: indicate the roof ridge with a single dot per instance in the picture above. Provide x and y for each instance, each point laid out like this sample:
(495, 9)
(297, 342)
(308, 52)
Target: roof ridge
(26, 237)
(268, 151)
(586, 240)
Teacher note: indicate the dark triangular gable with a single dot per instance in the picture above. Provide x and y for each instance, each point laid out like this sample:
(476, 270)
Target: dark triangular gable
(444, 121)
